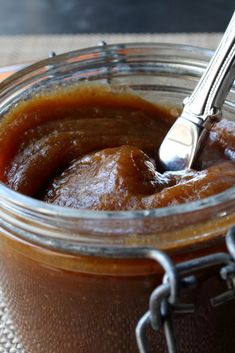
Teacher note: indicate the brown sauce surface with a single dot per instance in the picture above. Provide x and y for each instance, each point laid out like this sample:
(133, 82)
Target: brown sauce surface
(94, 148)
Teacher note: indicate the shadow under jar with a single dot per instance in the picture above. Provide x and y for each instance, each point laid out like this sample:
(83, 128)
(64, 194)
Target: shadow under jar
(76, 280)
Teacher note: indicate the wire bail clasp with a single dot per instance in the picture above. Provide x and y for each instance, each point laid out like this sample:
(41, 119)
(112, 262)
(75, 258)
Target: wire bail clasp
(159, 312)
(165, 299)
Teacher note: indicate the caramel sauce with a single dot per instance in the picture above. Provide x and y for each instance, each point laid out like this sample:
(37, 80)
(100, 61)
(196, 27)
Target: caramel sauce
(90, 147)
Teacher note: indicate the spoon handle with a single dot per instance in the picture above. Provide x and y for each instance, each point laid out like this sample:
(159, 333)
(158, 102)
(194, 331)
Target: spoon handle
(214, 85)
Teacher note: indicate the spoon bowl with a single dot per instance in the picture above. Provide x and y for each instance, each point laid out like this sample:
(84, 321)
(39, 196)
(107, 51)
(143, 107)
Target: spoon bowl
(183, 141)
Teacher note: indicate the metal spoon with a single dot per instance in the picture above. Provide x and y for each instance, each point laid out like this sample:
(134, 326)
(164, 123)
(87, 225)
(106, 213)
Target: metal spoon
(181, 144)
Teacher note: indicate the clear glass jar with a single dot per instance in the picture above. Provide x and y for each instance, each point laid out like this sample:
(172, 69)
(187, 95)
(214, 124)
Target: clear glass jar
(68, 281)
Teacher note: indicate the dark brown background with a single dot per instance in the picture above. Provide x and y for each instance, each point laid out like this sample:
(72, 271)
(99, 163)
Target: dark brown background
(113, 16)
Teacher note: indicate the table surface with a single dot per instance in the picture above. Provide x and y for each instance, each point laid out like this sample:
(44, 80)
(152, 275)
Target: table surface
(31, 48)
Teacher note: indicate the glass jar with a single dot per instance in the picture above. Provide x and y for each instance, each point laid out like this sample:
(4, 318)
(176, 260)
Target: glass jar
(79, 281)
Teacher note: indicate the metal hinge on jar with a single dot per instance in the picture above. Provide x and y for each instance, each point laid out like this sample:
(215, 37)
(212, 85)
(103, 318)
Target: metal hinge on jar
(165, 299)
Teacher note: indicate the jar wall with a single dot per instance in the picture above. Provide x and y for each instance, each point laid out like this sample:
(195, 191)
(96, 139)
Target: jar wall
(55, 304)
(64, 310)
(60, 310)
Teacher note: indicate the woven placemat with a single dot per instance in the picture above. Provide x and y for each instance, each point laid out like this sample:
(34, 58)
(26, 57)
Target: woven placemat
(19, 49)
(23, 49)
(8, 340)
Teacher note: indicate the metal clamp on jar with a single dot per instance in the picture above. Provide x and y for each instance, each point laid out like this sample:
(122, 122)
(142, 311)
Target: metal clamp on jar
(165, 300)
